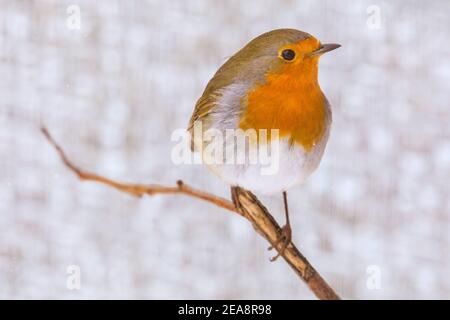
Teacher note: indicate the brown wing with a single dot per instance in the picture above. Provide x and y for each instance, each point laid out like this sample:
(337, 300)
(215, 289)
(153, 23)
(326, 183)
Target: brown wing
(201, 112)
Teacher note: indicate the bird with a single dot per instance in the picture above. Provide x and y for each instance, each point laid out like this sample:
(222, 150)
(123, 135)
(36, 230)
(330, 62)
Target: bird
(269, 86)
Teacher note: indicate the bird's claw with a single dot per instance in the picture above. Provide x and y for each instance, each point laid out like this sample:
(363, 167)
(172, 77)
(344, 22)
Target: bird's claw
(285, 238)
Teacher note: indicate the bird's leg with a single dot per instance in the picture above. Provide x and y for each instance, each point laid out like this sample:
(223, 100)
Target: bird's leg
(234, 198)
(286, 231)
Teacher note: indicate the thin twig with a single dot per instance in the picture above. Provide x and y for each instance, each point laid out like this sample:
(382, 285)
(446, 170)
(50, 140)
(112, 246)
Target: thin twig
(247, 205)
(139, 190)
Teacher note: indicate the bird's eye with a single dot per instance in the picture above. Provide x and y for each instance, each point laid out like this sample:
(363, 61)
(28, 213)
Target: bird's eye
(288, 54)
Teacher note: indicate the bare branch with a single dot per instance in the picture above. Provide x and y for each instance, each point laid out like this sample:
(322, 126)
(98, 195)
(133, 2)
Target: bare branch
(139, 190)
(247, 205)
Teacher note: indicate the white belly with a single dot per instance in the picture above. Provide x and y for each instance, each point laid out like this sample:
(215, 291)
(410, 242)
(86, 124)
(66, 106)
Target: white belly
(291, 168)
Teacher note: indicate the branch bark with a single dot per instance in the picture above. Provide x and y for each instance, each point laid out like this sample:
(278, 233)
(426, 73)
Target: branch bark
(248, 206)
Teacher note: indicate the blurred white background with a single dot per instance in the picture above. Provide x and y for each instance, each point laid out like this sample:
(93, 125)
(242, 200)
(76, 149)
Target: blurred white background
(374, 219)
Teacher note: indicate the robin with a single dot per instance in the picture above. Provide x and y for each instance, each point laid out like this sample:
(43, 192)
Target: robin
(270, 85)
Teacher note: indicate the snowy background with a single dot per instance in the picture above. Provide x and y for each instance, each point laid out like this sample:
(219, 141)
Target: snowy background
(374, 219)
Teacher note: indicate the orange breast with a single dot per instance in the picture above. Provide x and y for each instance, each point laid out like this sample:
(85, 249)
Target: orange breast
(290, 100)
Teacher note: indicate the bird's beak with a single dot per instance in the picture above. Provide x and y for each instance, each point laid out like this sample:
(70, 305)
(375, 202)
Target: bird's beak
(324, 48)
